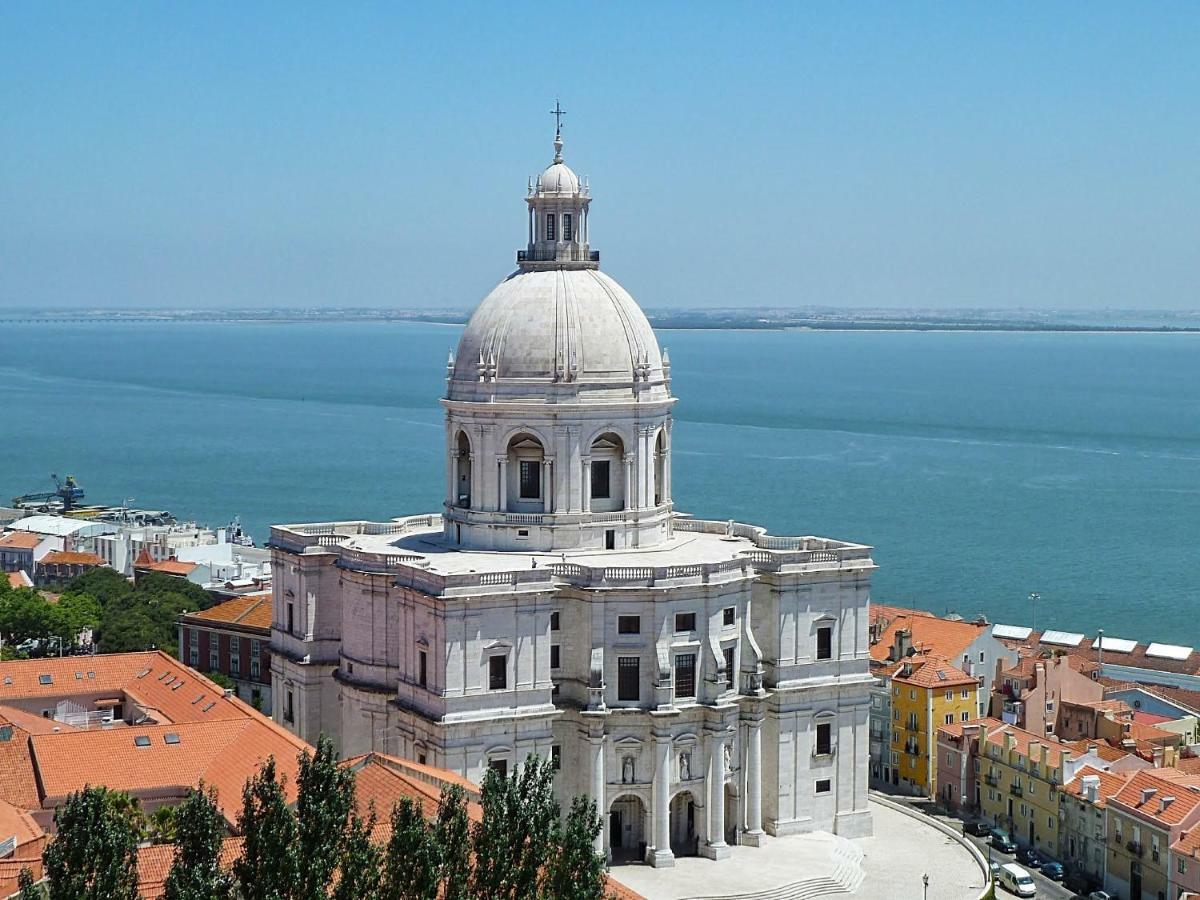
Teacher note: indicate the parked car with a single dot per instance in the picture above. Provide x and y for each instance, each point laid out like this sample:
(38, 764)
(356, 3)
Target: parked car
(995, 867)
(1030, 857)
(1002, 842)
(1053, 871)
(1017, 880)
(1101, 895)
(979, 828)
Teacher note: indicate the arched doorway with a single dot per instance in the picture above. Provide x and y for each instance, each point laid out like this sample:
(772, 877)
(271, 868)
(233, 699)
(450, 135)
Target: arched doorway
(462, 482)
(627, 829)
(526, 489)
(683, 825)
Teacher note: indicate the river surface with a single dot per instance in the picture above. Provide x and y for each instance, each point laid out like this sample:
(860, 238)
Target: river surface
(981, 466)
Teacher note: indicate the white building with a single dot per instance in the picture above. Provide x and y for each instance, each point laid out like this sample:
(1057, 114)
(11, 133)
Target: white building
(703, 680)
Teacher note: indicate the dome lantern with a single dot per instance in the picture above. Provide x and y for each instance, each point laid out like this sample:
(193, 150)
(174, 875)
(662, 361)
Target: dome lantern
(558, 216)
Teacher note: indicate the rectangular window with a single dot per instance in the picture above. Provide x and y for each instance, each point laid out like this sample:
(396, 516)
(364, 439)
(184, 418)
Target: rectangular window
(289, 711)
(824, 739)
(554, 658)
(497, 673)
(601, 489)
(531, 479)
(966, 716)
(628, 679)
(554, 624)
(214, 651)
(423, 668)
(685, 675)
(685, 621)
(499, 766)
(193, 637)
(729, 672)
(549, 226)
(824, 643)
(255, 667)
(567, 234)
(291, 618)
(950, 695)
(193, 657)
(727, 615)
(556, 757)
(235, 657)
(824, 786)
(629, 624)
(966, 693)
(949, 718)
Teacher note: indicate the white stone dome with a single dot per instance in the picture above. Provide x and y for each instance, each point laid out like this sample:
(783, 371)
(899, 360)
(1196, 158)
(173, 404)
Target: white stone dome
(557, 333)
(558, 179)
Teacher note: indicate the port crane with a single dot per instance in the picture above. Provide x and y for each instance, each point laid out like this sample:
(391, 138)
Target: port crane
(66, 491)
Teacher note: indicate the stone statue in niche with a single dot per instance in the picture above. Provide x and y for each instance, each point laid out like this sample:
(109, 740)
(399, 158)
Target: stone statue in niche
(728, 756)
(627, 770)
(685, 766)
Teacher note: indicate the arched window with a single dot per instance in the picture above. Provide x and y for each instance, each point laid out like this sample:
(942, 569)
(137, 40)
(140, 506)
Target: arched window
(462, 485)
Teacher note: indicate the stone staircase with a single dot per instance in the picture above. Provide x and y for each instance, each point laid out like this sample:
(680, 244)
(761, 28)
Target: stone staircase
(847, 877)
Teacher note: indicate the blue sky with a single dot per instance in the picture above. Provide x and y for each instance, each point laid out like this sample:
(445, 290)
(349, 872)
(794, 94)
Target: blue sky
(286, 154)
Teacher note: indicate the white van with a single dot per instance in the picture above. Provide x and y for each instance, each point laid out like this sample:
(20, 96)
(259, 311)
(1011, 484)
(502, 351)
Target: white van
(1017, 880)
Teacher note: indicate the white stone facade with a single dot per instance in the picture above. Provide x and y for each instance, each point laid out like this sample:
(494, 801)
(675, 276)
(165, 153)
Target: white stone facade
(704, 681)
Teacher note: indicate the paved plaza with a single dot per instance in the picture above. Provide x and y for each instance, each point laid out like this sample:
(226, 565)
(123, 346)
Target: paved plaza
(890, 865)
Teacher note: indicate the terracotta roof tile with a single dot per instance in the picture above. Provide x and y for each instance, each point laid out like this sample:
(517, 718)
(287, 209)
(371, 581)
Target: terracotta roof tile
(945, 637)
(1110, 784)
(1024, 738)
(70, 558)
(1104, 750)
(154, 865)
(1164, 783)
(932, 672)
(20, 540)
(1188, 843)
(19, 580)
(170, 567)
(251, 611)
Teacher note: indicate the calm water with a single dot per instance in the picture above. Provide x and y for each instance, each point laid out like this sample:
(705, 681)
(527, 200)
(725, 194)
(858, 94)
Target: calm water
(981, 466)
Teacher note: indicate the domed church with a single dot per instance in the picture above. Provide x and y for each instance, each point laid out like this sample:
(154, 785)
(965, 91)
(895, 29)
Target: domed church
(704, 681)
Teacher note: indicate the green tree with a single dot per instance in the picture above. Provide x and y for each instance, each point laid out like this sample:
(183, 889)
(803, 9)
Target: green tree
(576, 870)
(94, 853)
(102, 584)
(325, 797)
(266, 870)
(220, 679)
(28, 889)
(161, 825)
(411, 862)
(453, 835)
(25, 615)
(361, 862)
(515, 839)
(196, 871)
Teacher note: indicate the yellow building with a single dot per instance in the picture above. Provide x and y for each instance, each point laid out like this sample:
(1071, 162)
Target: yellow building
(1020, 784)
(927, 693)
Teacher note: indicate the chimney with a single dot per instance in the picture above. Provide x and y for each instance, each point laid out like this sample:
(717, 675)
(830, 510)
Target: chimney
(1147, 793)
(1164, 802)
(1090, 787)
(902, 645)
(1158, 757)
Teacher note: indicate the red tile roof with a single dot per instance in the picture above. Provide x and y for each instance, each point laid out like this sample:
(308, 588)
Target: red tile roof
(1164, 783)
(70, 558)
(1024, 738)
(1110, 783)
(945, 637)
(20, 540)
(1104, 750)
(154, 865)
(170, 567)
(251, 611)
(932, 672)
(19, 580)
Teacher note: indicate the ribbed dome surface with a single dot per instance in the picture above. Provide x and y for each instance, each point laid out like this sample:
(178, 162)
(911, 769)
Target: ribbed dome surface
(556, 327)
(558, 179)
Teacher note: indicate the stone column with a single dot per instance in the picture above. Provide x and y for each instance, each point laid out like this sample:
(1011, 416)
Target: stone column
(753, 834)
(598, 787)
(630, 487)
(586, 481)
(666, 467)
(451, 479)
(547, 485)
(662, 855)
(473, 484)
(502, 497)
(716, 847)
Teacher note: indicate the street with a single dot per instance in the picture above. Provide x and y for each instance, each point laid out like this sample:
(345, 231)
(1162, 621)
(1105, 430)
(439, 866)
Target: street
(1045, 887)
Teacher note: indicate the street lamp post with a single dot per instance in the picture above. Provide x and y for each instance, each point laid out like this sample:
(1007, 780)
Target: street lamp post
(925, 882)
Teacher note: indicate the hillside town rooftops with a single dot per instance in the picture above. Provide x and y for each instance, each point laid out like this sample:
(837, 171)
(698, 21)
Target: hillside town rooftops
(1024, 741)
(1108, 784)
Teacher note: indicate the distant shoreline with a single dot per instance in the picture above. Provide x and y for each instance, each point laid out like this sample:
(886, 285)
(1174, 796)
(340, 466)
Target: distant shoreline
(810, 318)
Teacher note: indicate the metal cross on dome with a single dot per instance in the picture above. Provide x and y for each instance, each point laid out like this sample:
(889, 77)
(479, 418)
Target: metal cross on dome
(558, 112)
